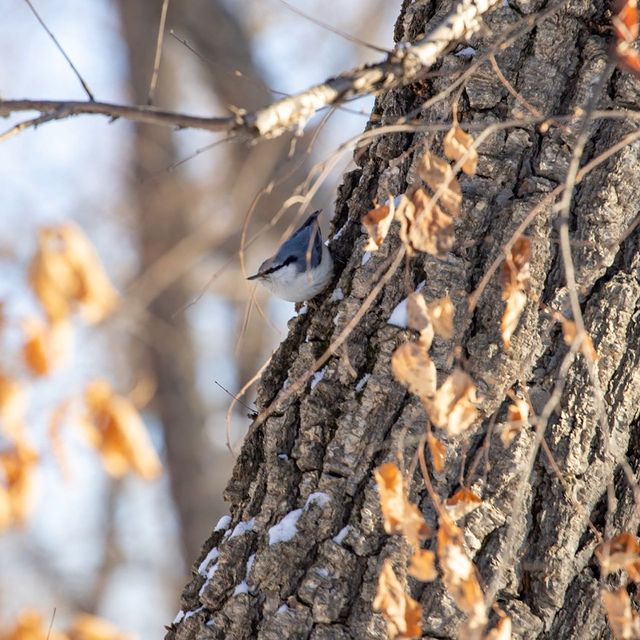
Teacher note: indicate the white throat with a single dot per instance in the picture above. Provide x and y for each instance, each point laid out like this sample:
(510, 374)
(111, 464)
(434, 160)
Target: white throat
(290, 284)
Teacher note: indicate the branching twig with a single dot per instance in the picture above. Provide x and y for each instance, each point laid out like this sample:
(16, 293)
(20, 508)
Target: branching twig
(85, 86)
(404, 65)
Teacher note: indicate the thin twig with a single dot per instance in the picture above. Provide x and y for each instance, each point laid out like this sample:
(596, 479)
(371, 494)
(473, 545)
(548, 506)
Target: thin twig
(158, 55)
(85, 86)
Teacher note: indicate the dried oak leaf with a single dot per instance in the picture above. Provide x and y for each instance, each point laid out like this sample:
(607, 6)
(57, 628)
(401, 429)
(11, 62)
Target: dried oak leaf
(423, 565)
(515, 280)
(457, 144)
(377, 223)
(412, 367)
(621, 552)
(16, 483)
(517, 419)
(441, 312)
(30, 626)
(401, 612)
(462, 502)
(625, 26)
(459, 574)
(399, 515)
(88, 627)
(46, 346)
(502, 631)
(66, 274)
(116, 429)
(453, 407)
(623, 619)
(438, 452)
(569, 333)
(13, 405)
(438, 175)
(418, 319)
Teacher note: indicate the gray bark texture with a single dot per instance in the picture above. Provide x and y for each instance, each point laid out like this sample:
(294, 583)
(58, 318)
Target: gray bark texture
(331, 435)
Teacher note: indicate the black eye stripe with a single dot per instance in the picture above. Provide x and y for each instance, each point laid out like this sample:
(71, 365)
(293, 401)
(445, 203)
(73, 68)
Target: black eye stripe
(288, 261)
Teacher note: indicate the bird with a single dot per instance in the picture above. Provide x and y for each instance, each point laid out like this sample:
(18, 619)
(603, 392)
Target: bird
(301, 268)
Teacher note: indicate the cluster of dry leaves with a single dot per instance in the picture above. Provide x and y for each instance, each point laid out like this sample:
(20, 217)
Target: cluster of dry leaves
(66, 277)
(31, 626)
(427, 225)
(459, 575)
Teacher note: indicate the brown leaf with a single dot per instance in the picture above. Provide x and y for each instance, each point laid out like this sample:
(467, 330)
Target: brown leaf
(623, 619)
(457, 143)
(515, 280)
(569, 333)
(16, 483)
(46, 346)
(13, 405)
(401, 612)
(438, 452)
(441, 312)
(437, 173)
(418, 319)
(412, 367)
(423, 565)
(621, 552)
(453, 407)
(30, 626)
(117, 431)
(66, 273)
(399, 515)
(377, 223)
(462, 502)
(502, 631)
(88, 627)
(432, 230)
(459, 574)
(517, 419)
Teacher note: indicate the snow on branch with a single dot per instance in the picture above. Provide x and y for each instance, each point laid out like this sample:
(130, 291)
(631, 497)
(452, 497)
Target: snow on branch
(405, 64)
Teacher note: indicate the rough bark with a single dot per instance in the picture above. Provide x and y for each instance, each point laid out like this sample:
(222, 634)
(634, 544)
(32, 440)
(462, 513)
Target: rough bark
(330, 436)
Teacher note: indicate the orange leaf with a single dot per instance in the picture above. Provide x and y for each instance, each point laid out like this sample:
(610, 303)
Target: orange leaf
(377, 223)
(13, 405)
(457, 144)
(412, 367)
(438, 452)
(66, 273)
(569, 333)
(16, 484)
(401, 612)
(517, 419)
(423, 565)
(625, 21)
(87, 627)
(459, 574)
(441, 312)
(438, 175)
(462, 502)
(621, 552)
(623, 619)
(399, 515)
(502, 631)
(453, 407)
(515, 279)
(31, 626)
(117, 431)
(418, 319)
(45, 346)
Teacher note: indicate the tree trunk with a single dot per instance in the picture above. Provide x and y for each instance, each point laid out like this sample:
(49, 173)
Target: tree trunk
(314, 458)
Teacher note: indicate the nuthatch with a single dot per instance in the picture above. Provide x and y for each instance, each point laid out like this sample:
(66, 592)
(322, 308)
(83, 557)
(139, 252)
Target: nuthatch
(301, 268)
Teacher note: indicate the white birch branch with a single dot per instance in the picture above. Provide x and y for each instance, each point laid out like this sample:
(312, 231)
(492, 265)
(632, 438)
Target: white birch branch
(405, 64)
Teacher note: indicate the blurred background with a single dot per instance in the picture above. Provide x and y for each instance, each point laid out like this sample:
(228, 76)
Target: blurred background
(165, 212)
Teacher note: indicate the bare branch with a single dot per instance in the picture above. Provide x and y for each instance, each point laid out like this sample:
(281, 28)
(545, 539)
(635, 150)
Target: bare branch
(156, 61)
(85, 86)
(404, 65)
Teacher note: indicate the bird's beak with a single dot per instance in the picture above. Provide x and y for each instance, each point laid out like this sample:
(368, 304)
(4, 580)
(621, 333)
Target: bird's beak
(257, 275)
